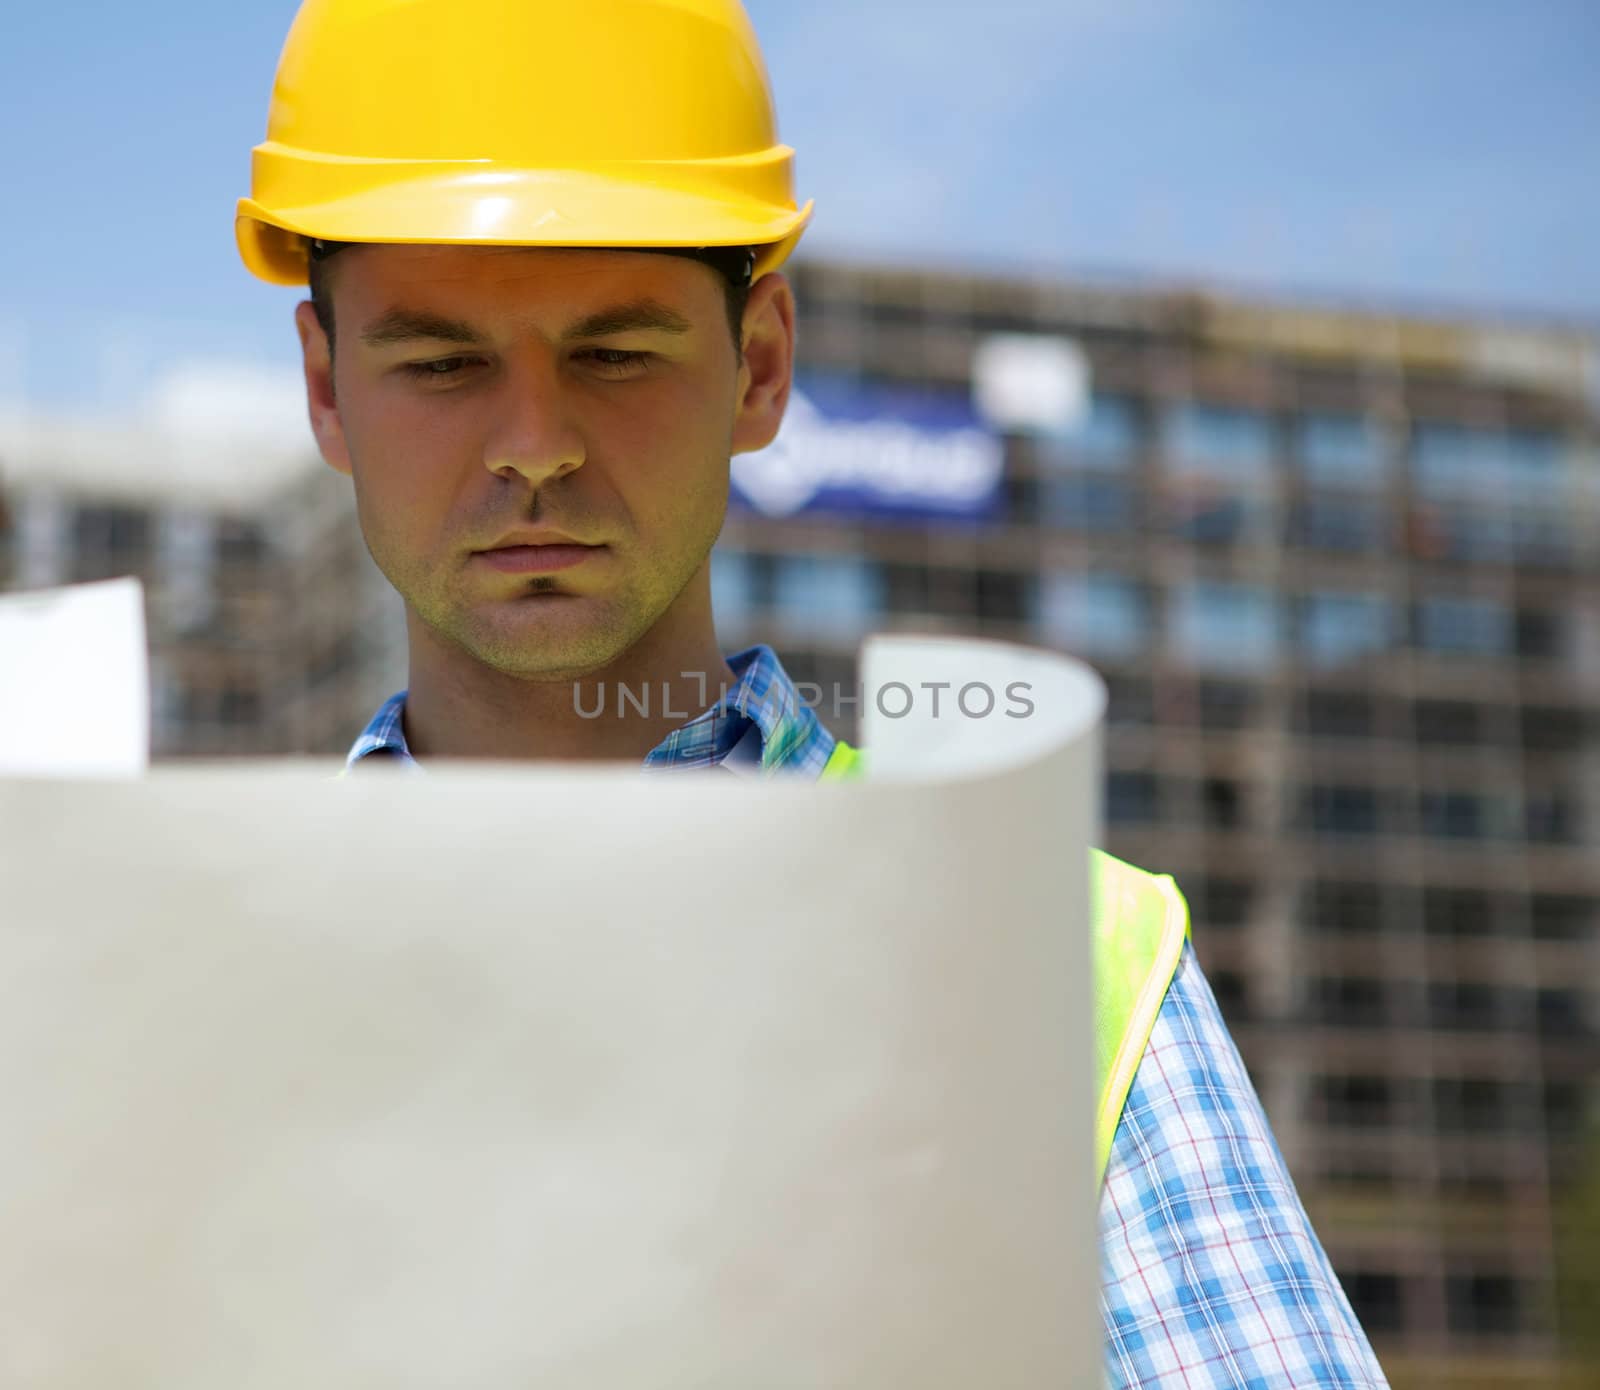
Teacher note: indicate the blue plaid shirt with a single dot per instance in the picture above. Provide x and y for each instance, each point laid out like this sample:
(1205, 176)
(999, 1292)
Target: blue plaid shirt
(759, 723)
(1212, 1278)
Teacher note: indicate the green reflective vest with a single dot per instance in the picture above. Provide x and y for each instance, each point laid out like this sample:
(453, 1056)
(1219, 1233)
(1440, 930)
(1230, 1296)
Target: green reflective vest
(1138, 923)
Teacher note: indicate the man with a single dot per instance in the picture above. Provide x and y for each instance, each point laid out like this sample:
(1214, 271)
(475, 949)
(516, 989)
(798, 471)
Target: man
(542, 239)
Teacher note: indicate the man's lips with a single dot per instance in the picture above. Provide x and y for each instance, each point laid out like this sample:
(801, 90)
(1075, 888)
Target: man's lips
(537, 559)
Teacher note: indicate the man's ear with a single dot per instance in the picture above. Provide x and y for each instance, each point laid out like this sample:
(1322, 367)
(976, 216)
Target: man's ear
(320, 402)
(767, 371)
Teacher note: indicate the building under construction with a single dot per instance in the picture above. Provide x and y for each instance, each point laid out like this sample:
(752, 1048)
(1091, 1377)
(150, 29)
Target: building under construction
(1339, 572)
(270, 631)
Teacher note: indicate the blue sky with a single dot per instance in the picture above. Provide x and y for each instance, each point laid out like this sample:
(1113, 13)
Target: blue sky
(1419, 152)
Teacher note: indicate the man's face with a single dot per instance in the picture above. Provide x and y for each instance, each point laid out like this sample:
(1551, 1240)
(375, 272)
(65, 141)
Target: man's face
(566, 395)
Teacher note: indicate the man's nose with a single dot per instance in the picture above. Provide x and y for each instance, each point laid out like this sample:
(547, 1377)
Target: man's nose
(534, 434)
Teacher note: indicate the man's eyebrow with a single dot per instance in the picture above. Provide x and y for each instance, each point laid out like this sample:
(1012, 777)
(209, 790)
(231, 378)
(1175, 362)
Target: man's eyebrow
(407, 325)
(410, 325)
(640, 314)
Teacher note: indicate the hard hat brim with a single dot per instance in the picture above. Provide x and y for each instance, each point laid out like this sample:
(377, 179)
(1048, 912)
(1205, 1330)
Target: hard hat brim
(469, 204)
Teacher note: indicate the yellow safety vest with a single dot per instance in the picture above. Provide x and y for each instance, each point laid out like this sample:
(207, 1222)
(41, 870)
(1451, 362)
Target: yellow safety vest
(1138, 923)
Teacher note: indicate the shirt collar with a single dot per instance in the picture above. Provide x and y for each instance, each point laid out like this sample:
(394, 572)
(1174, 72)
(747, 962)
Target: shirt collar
(758, 724)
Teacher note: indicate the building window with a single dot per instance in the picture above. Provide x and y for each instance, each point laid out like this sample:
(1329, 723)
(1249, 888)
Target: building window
(1337, 714)
(1099, 614)
(1561, 1013)
(1447, 722)
(1130, 701)
(1132, 798)
(1210, 513)
(1531, 540)
(241, 543)
(1458, 461)
(1540, 634)
(1551, 818)
(1216, 705)
(111, 528)
(1350, 524)
(1562, 916)
(1542, 540)
(939, 590)
(1087, 503)
(1222, 803)
(1460, 1180)
(1215, 901)
(1376, 1300)
(1347, 1001)
(109, 541)
(232, 705)
(1225, 705)
(1457, 912)
(1232, 626)
(1342, 629)
(1371, 1172)
(1332, 809)
(239, 706)
(837, 596)
(1006, 597)
(1353, 1102)
(888, 313)
(929, 589)
(1232, 993)
(732, 588)
(1483, 1304)
(336, 658)
(1469, 537)
(1455, 815)
(1218, 441)
(186, 544)
(1107, 437)
(1458, 1005)
(1473, 1104)
(1553, 729)
(1477, 627)
(1022, 496)
(1563, 1104)
(1340, 449)
(1335, 905)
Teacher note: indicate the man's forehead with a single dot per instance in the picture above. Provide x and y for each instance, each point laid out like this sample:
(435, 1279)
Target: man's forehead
(558, 286)
(565, 267)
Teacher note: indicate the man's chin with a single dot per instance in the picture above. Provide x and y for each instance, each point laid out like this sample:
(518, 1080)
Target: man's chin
(554, 637)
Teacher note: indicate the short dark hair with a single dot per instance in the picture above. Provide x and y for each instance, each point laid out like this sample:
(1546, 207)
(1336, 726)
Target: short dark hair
(734, 264)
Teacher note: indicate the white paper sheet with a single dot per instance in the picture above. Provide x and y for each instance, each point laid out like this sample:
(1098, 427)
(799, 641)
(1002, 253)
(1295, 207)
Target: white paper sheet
(518, 1076)
(74, 681)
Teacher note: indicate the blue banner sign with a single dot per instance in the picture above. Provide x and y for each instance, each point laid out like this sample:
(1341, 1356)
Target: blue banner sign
(866, 449)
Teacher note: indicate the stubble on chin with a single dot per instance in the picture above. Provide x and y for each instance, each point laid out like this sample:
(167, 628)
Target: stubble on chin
(543, 632)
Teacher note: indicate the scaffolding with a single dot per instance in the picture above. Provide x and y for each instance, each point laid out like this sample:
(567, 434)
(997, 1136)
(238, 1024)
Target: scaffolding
(1338, 569)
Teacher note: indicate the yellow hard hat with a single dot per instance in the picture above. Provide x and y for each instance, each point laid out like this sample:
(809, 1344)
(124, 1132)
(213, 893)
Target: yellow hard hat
(519, 123)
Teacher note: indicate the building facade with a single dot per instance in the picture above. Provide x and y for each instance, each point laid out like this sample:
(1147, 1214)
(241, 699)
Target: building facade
(1341, 574)
(270, 630)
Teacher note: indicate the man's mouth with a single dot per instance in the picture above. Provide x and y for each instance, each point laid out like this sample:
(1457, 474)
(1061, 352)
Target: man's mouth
(537, 559)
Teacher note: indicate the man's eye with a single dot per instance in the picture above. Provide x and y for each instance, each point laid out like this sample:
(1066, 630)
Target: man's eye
(438, 369)
(616, 362)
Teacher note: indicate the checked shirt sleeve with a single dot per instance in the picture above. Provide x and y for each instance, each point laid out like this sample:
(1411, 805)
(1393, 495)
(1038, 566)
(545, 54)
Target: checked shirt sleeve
(1212, 1274)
